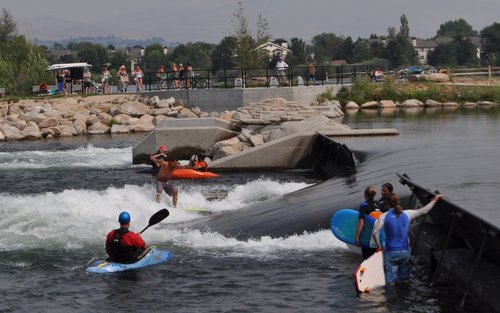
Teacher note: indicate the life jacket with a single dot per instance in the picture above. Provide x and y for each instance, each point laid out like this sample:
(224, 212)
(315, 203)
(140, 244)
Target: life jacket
(118, 252)
(396, 231)
(203, 167)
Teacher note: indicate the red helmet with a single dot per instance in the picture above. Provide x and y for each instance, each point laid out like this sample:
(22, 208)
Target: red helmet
(163, 148)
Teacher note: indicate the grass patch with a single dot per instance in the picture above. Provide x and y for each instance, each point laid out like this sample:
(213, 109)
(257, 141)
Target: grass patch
(363, 91)
(325, 96)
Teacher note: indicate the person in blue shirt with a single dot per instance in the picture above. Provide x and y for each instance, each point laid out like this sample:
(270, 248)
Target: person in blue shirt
(397, 252)
(365, 208)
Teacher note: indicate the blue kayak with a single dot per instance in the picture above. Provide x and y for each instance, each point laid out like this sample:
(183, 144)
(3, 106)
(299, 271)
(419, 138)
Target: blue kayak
(154, 256)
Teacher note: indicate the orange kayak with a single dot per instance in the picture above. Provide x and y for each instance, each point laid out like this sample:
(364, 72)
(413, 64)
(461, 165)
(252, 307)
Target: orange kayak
(183, 173)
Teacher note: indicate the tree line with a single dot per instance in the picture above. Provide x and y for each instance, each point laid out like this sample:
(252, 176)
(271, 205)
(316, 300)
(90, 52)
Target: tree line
(23, 65)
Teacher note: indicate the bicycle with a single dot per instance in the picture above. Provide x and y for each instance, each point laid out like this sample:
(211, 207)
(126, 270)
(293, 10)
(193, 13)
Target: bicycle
(198, 83)
(100, 88)
(163, 82)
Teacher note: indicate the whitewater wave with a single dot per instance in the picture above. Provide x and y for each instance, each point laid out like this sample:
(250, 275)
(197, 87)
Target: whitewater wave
(75, 219)
(85, 156)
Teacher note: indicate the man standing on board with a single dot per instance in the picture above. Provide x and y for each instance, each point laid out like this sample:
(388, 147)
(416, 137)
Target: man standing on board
(163, 179)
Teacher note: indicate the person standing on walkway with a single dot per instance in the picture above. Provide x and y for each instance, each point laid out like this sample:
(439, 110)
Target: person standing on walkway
(122, 79)
(105, 76)
(311, 74)
(138, 79)
(175, 76)
(281, 68)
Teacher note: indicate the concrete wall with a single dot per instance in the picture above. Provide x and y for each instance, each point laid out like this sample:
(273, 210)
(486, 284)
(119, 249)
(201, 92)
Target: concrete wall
(183, 137)
(281, 153)
(219, 100)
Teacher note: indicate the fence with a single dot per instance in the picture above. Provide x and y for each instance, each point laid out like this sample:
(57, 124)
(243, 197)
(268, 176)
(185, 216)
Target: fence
(256, 77)
(478, 71)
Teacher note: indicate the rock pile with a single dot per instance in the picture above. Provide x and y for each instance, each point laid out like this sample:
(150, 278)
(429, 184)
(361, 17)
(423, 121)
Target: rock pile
(273, 118)
(74, 116)
(65, 117)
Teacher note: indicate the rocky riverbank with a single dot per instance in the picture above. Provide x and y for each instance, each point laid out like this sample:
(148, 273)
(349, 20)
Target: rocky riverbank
(34, 119)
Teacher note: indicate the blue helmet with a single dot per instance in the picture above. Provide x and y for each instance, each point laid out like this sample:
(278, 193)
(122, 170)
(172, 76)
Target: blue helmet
(124, 218)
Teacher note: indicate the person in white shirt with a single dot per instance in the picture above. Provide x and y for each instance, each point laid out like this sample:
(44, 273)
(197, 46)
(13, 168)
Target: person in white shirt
(396, 224)
(281, 68)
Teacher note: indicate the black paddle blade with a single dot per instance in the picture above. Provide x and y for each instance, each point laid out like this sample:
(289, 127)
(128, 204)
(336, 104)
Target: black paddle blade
(156, 218)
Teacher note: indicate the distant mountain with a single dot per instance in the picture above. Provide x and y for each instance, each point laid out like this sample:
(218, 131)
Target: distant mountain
(118, 42)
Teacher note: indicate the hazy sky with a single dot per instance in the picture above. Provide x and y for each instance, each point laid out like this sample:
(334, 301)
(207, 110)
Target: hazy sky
(211, 20)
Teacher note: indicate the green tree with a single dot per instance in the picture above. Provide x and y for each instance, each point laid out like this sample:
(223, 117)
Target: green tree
(345, 50)
(117, 59)
(197, 53)
(456, 28)
(298, 55)
(404, 29)
(325, 46)
(400, 52)
(459, 52)
(22, 65)
(491, 42)
(8, 27)
(247, 54)
(57, 46)
(223, 55)
(153, 58)
(361, 51)
(94, 54)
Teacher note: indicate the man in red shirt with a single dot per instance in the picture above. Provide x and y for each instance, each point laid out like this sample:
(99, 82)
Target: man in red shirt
(122, 245)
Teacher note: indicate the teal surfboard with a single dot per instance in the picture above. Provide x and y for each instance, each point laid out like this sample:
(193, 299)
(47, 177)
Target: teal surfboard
(154, 256)
(344, 224)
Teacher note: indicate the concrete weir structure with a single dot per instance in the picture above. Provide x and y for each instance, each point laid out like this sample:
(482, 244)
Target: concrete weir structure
(183, 137)
(308, 149)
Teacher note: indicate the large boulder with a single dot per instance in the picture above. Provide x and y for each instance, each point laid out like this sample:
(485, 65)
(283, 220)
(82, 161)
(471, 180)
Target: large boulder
(98, 128)
(370, 105)
(412, 103)
(105, 118)
(134, 108)
(144, 124)
(67, 105)
(80, 126)
(119, 129)
(288, 128)
(387, 104)
(351, 105)
(31, 132)
(10, 132)
(48, 122)
(67, 131)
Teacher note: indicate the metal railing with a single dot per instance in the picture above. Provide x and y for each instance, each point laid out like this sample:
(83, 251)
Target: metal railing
(255, 77)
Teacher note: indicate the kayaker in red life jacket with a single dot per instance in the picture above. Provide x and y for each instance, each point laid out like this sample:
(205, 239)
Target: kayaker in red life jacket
(122, 245)
(199, 163)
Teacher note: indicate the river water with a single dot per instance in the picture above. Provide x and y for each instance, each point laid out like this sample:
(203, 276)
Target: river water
(59, 198)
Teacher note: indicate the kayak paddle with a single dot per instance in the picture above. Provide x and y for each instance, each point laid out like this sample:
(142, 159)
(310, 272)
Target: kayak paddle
(156, 218)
